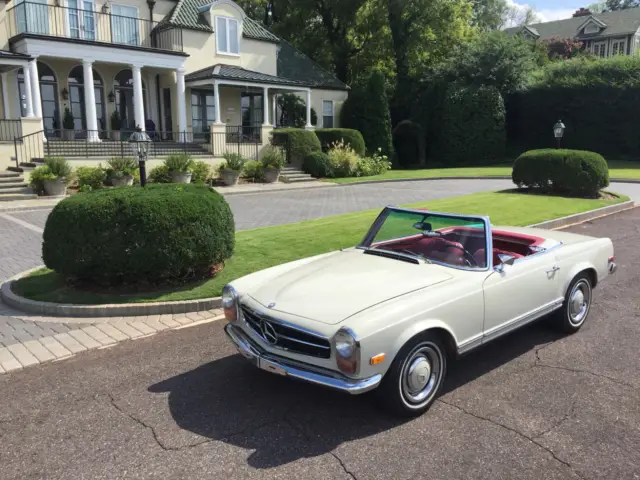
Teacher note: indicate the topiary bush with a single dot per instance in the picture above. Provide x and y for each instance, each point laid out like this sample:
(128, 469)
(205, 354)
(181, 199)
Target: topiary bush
(297, 143)
(408, 144)
(473, 126)
(353, 138)
(154, 235)
(572, 172)
(317, 165)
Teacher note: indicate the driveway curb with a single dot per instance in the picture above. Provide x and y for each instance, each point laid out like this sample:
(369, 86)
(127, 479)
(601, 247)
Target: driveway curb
(483, 177)
(190, 306)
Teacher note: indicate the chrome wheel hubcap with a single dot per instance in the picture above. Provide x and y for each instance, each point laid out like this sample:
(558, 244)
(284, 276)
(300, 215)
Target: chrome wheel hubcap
(579, 302)
(421, 374)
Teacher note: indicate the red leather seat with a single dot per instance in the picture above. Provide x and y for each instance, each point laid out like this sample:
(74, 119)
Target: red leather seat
(479, 255)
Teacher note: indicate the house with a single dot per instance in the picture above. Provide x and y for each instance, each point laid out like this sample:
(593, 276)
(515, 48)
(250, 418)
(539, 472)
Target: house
(604, 34)
(188, 71)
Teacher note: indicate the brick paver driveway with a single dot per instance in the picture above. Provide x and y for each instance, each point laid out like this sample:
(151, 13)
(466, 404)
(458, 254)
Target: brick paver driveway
(182, 404)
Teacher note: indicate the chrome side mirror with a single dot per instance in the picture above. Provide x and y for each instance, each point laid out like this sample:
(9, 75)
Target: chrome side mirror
(504, 260)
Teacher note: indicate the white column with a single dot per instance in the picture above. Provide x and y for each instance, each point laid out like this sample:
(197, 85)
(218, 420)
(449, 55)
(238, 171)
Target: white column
(265, 107)
(308, 125)
(27, 92)
(90, 102)
(216, 94)
(138, 100)
(5, 95)
(35, 88)
(181, 93)
(274, 109)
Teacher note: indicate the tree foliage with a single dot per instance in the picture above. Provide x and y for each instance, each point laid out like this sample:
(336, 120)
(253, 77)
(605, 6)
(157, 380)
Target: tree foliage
(293, 111)
(621, 4)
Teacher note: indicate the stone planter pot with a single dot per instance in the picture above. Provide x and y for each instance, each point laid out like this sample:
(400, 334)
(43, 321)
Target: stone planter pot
(230, 177)
(180, 177)
(271, 175)
(67, 135)
(115, 135)
(122, 181)
(56, 187)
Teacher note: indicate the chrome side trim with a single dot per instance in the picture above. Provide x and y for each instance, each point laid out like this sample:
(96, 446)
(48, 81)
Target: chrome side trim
(295, 369)
(521, 320)
(470, 344)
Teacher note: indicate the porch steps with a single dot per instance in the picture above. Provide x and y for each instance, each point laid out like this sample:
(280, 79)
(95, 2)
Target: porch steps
(295, 175)
(13, 187)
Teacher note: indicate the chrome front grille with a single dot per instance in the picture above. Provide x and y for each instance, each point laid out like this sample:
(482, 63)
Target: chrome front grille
(286, 337)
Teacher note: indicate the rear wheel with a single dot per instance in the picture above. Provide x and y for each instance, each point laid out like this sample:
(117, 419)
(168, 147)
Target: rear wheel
(577, 304)
(415, 377)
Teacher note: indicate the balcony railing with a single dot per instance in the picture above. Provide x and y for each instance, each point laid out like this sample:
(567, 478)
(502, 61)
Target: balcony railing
(93, 26)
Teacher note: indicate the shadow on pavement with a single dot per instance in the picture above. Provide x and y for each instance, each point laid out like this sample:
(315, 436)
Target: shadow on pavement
(283, 420)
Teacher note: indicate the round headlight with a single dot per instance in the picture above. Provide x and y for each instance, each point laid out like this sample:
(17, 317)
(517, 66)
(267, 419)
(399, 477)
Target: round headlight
(229, 297)
(345, 344)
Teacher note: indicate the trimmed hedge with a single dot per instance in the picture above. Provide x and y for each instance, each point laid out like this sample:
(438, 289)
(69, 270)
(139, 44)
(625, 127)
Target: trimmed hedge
(351, 137)
(473, 126)
(317, 165)
(408, 144)
(298, 143)
(152, 235)
(573, 172)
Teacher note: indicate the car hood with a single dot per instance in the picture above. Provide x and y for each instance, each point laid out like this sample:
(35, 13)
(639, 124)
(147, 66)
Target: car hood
(337, 286)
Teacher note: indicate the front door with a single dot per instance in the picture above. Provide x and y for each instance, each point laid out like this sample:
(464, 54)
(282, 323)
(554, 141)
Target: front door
(202, 113)
(76, 97)
(124, 24)
(82, 23)
(524, 290)
(168, 119)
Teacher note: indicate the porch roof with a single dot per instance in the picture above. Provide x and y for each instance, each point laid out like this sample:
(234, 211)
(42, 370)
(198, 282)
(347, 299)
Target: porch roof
(229, 72)
(6, 54)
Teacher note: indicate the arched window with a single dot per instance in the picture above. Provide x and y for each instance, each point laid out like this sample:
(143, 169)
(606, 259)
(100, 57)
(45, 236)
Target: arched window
(123, 90)
(48, 94)
(76, 99)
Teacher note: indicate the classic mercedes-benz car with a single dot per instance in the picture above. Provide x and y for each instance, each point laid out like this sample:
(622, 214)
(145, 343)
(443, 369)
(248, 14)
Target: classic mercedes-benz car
(419, 290)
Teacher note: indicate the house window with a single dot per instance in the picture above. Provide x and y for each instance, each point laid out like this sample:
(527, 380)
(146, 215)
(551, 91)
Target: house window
(619, 47)
(600, 49)
(227, 36)
(591, 28)
(327, 114)
(124, 24)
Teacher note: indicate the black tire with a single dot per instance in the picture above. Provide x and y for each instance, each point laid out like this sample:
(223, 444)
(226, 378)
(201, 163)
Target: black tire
(576, 306)
(426, 353)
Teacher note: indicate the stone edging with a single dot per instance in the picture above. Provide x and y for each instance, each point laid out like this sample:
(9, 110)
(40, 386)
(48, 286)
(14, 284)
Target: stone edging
(482, 177)
(188, 306)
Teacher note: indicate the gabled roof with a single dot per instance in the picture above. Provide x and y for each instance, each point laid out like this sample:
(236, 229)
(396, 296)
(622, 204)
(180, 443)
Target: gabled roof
(230, 72)
(617, 23)
(294, 64)
(186, 14)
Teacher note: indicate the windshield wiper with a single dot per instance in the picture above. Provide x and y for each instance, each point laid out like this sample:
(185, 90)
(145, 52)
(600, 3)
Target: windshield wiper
(392, 254)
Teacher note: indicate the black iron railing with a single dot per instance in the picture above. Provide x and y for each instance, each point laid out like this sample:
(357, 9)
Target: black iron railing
(10, 129)
(94, 26)
(245, 141)
(244, 134)
(28, 149)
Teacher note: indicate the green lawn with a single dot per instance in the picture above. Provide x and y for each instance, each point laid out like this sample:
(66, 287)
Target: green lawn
(266, 247)
(617, 169)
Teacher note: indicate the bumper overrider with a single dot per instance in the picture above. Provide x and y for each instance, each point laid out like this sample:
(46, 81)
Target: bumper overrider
(292, 368)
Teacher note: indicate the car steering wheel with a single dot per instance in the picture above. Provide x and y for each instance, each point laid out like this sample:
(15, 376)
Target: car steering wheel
(469, 258)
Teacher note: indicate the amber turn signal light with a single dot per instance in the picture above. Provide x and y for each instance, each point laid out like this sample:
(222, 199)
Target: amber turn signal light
(376, 359)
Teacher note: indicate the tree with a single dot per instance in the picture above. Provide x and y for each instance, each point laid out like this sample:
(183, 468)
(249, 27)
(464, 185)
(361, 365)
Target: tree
(489, 14)
(621, 4)
(598, 7)
(293, 111)
(367, 110)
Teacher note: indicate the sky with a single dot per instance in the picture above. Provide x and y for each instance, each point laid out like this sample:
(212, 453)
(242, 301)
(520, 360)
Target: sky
(549, 10)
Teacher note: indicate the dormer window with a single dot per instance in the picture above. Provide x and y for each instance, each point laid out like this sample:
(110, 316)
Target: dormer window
(591, 28)
(227, 36)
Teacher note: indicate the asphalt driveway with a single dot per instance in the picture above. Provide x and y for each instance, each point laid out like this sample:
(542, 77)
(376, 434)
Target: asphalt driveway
(182, 405)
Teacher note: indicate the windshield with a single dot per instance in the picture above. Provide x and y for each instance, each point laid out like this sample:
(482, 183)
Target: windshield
(439, 238)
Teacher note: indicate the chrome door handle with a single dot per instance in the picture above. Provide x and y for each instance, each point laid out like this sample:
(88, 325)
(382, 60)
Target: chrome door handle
(553, 270)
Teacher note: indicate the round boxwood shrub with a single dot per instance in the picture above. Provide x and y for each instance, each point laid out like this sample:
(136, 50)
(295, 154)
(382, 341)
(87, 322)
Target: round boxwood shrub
(349, 136)
(317, 165)
(297, 143)
(573, 172)
(408, 144)
(158, 234)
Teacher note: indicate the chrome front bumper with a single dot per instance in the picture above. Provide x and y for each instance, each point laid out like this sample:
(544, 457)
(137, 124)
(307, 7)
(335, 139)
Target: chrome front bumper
(291, 368)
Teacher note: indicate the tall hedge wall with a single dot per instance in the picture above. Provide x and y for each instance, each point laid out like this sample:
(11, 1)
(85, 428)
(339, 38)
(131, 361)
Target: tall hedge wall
(473, 126)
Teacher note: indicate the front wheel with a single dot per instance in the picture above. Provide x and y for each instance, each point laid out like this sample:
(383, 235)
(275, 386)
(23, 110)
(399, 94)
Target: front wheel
(415, 377)
(577, 304)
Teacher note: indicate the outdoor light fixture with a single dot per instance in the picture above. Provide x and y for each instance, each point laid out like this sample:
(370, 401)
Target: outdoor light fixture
(558, 131)
(140, 144)
(65, 94)
(111, 97)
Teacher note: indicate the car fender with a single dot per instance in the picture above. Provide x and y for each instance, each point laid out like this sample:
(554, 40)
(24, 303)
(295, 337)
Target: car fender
(575, 270)
(417, 328)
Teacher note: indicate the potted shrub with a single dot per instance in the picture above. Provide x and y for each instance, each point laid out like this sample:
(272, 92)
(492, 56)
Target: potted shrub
(116, 124)
(68, 125)
(57, 177)
(180, 167)
(121, 170)
(232, 167)
(273, 161)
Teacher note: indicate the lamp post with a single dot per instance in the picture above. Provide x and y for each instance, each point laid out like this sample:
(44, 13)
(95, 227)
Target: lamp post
(140, 143)
(558, 131)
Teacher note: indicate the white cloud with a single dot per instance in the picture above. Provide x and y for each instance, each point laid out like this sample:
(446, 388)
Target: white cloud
(545, 14)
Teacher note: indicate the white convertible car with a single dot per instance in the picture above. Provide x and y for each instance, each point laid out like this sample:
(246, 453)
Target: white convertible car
(421, 289)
